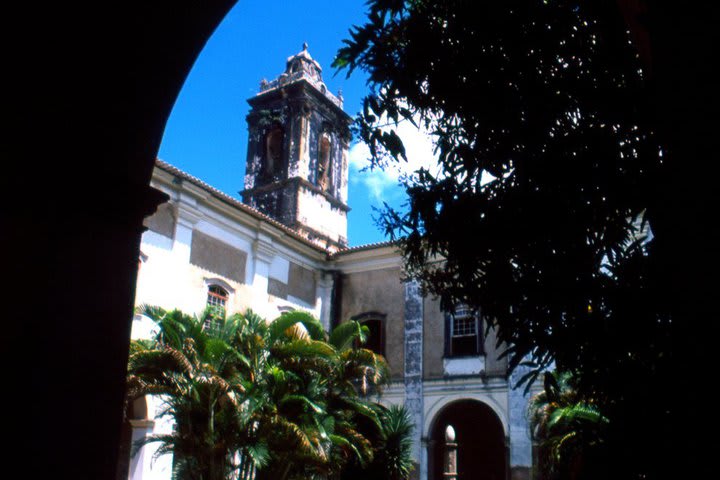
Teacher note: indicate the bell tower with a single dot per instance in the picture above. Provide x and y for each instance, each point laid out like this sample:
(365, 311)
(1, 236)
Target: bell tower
(297, 168)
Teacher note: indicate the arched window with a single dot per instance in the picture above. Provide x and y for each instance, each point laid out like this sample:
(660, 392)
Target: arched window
(375, 322)
(217, 296)
(462, 333)
(273, 150)
(324, 173)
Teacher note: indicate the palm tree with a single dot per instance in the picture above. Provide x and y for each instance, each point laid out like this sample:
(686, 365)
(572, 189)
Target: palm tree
(199, 375)
(252, 399)
(569, 429)
(316, 383)
(392, 447)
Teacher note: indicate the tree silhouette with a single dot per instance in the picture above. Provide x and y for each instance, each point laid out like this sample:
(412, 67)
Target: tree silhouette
(548, 165)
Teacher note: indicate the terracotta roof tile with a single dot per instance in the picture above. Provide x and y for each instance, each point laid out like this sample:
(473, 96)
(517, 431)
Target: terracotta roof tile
(235, 203)
(261, 216)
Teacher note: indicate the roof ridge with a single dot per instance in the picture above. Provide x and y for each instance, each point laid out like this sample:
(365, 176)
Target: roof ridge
(366, 246)
(237, 203)
(247, 208)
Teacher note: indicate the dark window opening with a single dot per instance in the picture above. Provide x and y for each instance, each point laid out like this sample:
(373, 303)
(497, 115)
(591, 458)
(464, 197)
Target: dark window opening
(273, 151)
(375, 323)
(375, 339)
(324, 177)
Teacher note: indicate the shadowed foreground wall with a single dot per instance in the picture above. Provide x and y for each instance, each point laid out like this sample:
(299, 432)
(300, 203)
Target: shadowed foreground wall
(91, 88)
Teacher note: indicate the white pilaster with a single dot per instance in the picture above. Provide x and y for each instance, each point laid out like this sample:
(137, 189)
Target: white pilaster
(144, 466)
(188, 217)
(424, 459)
(263, 254)
(324, 297)
(141, 463)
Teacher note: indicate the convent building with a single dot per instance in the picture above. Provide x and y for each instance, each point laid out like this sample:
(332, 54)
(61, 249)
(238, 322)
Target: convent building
(285, 247)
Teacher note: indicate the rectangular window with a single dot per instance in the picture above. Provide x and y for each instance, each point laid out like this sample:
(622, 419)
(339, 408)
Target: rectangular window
(464, 337)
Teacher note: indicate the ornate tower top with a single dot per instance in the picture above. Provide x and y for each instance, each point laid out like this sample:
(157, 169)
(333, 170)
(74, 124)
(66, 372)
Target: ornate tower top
(297, 153)
(301, 66)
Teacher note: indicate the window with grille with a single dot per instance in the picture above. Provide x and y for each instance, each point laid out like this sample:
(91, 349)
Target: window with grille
(463, 335)
(464, 326)
(217, 298)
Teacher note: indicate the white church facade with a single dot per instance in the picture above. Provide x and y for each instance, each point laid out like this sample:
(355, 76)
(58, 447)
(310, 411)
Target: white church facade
(285, 247)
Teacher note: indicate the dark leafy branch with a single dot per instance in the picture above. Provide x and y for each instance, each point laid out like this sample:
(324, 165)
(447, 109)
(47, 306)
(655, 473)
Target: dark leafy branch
(539, 212)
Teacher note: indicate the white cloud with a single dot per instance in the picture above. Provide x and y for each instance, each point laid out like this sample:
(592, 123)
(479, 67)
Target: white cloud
(384, 184)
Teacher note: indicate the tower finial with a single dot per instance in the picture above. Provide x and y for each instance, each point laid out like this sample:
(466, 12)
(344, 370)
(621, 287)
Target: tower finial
(305, 46)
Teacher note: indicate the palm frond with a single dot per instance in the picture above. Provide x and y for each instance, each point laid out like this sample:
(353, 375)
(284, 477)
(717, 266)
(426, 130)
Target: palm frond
(303, 400)
(280, 327)
(305, 348)
(158, 362)
(344, 335)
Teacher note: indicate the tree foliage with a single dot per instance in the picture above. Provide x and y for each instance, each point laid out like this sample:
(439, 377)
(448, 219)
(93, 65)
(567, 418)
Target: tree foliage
(259, 400)
(570, 431)
(538, 212)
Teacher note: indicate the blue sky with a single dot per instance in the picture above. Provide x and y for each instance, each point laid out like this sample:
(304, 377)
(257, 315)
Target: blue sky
(206, 134)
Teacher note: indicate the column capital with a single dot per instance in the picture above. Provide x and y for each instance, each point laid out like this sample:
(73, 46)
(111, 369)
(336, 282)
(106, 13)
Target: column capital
(143, 423)
(264, 250)
(187, 215)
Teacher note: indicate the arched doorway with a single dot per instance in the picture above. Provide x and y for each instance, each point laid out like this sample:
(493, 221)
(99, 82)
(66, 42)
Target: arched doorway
(482, 454)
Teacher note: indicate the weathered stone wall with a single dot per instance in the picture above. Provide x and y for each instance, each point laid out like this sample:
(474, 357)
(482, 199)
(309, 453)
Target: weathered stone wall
(217, 257)
(414, 395)
(323, 120)
(316, 209)
(379, 291)
(520, 442)
(278, 202)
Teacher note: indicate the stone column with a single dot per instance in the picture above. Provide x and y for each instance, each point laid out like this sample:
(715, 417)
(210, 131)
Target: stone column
(451, 447)
(324, 297)
(520, 442)
(413, 362)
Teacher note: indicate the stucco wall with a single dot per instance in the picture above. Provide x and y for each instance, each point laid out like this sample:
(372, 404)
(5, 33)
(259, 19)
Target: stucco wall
(218, 257)
(169, 282)
(301, 283)
(434, 348)
(493, 364)
(162, 221)
(380, 291)
(434, 337)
